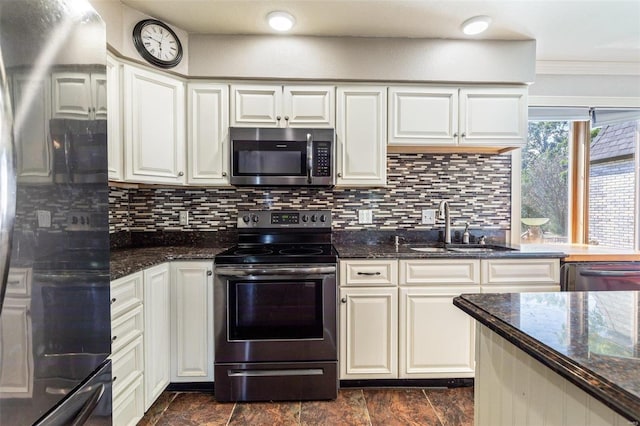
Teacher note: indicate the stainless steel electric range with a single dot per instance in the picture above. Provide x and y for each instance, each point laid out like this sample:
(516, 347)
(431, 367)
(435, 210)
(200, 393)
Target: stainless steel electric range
(275, 315)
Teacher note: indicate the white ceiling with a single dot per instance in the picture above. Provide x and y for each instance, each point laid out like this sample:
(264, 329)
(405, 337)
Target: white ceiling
(574, 30)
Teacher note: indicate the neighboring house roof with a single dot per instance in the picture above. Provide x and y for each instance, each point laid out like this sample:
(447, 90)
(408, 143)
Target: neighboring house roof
(614, 141)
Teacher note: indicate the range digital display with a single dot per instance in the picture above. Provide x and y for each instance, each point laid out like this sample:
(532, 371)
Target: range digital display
(285, 218)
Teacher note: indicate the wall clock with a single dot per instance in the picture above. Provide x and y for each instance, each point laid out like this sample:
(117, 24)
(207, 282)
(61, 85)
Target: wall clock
(157, 43)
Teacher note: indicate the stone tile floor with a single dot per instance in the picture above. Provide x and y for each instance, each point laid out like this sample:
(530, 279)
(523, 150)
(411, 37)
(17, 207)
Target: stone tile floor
(370, 406)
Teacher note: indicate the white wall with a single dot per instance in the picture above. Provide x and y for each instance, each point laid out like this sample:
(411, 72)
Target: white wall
(361, 58)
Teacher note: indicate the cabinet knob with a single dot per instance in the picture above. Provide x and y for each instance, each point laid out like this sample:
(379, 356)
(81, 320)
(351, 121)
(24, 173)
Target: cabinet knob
(286, 117)
(114, 379)
(278, 118)
(339, 174)
(343, 300)
(209, 273)
(180, 173)
(463, 135)
(224, 174)
(113, 300)
(113, 339)
(455, 135)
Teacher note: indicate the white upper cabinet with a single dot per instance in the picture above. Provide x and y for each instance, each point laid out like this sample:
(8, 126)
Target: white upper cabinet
(309, 106)
(278, 106)
(154, 127)
(361, 135)
(114, 126)
(457, 119)
(493, 117)
(208, 134)
(31, 128)
(423, 115)
(79, 95)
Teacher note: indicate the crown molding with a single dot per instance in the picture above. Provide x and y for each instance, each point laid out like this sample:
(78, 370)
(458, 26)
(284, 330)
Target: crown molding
(587, 68)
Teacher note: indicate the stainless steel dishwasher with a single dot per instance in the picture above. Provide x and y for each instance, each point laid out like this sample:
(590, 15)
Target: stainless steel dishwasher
(600, 276)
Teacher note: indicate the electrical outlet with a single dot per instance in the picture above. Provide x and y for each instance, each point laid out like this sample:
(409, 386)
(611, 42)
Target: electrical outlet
(428, 217)
(184, 218)
(365, 217)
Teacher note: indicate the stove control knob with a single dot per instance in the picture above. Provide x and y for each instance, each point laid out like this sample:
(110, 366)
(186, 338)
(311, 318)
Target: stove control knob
(323, 218)
(305, 218)
(255, 218)
(314, 218)
(246, 218)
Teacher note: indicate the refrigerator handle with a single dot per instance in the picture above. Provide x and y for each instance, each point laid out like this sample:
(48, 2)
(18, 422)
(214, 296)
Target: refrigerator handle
(7, 181)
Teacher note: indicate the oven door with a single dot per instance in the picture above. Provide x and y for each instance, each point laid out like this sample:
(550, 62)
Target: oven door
(275, 313)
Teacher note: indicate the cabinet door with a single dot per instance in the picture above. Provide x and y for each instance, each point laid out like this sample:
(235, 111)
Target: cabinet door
(368, 333)
(99, 96)
(493, 116)
(114, 126)
(16, 370)
(154, 133)
(208, 134)
(361, 132)
(309, 106)
(256, 106)
(72, 95)
(423, 116)
(436, 338)
(192, 322)
(31, 128)
(156, 332)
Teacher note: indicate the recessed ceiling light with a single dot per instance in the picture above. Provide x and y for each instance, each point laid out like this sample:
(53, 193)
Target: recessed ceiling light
(281, 21)
(476, 25)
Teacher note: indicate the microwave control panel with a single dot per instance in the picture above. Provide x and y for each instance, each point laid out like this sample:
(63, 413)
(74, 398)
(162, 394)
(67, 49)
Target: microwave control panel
(322, 159)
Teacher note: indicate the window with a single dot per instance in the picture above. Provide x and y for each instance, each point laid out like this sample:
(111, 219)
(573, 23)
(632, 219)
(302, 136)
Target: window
(580, 183)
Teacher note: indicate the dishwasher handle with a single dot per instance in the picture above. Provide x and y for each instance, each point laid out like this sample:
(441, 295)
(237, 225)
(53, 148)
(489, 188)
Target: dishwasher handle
(609, 273)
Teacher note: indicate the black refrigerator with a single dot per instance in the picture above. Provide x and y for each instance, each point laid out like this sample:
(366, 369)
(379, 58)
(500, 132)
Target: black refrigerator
(55, 335)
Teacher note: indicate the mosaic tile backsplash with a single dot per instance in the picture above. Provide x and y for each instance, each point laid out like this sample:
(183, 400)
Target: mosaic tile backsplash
(478, 187)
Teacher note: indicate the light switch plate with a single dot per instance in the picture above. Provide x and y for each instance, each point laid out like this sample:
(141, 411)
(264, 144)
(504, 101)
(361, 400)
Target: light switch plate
(365, 217)
(184, 217)
(428, 217)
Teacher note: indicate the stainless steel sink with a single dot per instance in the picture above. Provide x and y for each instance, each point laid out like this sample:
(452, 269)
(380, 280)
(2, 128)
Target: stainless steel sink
(472, 249)
(429, 249)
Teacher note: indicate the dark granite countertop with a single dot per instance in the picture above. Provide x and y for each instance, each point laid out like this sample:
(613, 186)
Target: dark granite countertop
(128, 261)
(589, 338)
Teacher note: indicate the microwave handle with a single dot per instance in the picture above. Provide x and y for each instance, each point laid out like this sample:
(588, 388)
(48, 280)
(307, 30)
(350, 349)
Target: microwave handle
(309, 156)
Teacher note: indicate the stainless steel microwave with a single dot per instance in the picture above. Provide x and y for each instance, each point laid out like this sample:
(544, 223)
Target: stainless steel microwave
(282, 156)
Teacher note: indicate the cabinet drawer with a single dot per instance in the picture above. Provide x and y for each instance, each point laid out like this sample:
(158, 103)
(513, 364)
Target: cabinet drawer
(126, 293)
(439, 272)
(369, 272)
(128, 406)
(19, 282)
(127, 364)
(520, 271)
(521, 288)
(126, 328)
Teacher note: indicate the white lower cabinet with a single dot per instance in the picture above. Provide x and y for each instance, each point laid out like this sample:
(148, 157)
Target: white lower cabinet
(192, 321)
(520, 275)
(127, 349)
(436, 338)
(156, 332)
(368, 333)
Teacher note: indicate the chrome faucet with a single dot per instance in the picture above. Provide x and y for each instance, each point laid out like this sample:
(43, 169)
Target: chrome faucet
(443, 213)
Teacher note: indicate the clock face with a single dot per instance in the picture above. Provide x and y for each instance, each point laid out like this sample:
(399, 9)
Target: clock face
(157, 43)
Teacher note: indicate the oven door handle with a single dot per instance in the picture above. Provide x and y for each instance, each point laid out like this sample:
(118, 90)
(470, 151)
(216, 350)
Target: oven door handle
(262, 271)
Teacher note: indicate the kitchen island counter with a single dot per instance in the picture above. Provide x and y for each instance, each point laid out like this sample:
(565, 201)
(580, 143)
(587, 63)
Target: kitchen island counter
(590, 339)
